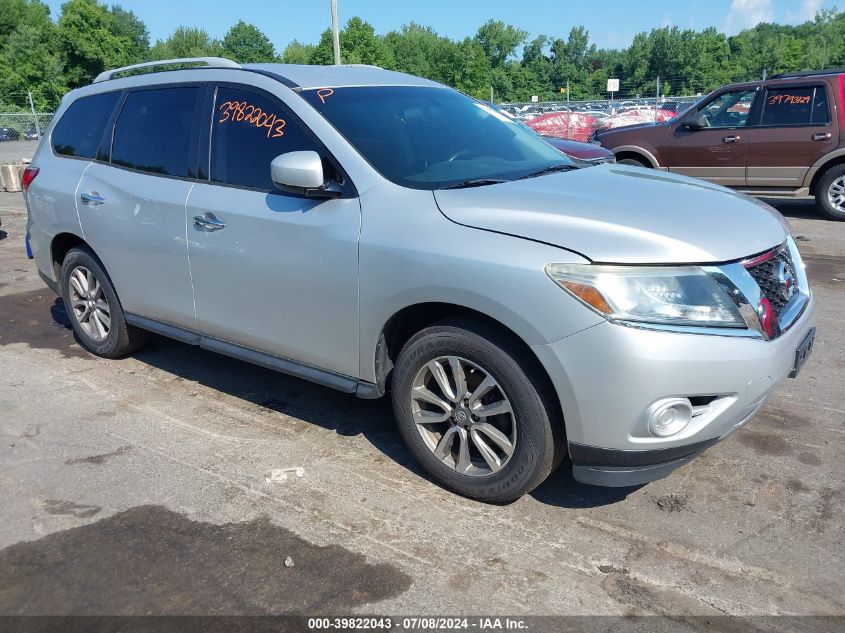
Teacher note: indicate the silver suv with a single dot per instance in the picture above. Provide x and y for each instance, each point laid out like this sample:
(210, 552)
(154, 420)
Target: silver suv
(372, 231)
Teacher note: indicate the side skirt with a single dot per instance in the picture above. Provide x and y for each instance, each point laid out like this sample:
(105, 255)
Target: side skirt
(346, 384)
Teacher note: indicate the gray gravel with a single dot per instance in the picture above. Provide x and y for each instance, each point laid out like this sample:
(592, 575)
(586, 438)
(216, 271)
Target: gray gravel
(144, 485)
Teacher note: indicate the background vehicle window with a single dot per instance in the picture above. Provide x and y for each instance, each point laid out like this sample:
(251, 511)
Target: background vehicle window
(730, 109)
(795, 106)
(153, 130)
(80, 129)
(247, 132)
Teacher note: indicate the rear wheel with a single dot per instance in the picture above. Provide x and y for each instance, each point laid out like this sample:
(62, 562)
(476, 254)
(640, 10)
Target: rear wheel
(830, 193)
(475, 412)
(93, 307)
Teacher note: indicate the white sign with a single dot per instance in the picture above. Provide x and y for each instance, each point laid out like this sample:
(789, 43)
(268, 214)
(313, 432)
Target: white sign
(613, 85)
(535, 99)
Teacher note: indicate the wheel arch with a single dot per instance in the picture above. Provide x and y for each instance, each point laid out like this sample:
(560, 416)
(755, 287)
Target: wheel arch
(60, 245)
(821, 166)
(637, 153)
(406, 322)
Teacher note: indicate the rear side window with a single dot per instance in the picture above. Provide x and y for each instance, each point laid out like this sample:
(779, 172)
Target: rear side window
(248, 131)
(804, 105)
(153, 131)
(81, 127)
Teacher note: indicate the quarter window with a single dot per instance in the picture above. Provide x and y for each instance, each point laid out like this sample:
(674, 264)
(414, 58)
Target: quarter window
(153, 131)
(248, 131)
(805, 105)
(80, 129)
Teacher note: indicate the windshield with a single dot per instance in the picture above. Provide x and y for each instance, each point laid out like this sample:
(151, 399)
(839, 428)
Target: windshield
(432, 138)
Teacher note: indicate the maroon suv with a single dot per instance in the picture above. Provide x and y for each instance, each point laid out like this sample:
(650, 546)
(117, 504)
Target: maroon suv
(784, 137)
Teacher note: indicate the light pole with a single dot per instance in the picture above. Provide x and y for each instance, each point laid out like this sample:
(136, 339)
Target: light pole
(335, 33)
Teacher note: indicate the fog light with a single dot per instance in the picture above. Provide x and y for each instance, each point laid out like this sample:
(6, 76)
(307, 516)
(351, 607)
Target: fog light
(669, 417)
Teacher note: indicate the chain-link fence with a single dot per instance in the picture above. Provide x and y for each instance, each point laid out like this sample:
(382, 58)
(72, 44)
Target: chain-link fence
(23, 126)
(577, 120)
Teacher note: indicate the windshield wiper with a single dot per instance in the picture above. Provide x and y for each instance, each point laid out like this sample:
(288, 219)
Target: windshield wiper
(477, 182)
(549, 170)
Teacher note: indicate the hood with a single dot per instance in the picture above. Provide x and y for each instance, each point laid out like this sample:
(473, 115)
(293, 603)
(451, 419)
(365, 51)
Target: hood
(620, 214)
(633, 126)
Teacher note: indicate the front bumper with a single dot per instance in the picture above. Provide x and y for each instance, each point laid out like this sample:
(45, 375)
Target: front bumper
(609, 375)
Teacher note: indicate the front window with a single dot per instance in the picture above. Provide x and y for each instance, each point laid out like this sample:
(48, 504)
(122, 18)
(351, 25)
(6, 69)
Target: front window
(729, 109)
(432, 138)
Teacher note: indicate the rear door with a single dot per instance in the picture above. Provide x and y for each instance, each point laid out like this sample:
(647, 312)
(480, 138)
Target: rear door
(718, 152)
(275, 272)
(132, 204)
(794, 129)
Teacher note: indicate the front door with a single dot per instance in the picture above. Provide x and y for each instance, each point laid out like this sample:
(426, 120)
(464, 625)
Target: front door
(271, 271)
(795, 130)
(718, 151)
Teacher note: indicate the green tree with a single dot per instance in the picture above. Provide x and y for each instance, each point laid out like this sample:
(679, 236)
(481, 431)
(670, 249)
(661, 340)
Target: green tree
(499, 40)
(298, 53)
(186, 42)
(27, 64)
(89, 42)
(246, 44)
(359, 44)
(129, 27)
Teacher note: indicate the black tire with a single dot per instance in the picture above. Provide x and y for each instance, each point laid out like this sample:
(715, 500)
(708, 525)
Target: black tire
(632, 161)
(121, 339)
(828, 180)
(539, 440)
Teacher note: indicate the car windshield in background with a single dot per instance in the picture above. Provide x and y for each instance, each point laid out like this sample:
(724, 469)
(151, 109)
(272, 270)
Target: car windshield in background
(433, 138)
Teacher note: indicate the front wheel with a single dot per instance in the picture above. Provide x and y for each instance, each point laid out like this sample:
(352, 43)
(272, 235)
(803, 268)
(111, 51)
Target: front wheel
(475, 412)
(830, 193)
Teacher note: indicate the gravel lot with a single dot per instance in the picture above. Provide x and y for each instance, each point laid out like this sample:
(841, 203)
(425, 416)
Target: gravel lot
(144, 485)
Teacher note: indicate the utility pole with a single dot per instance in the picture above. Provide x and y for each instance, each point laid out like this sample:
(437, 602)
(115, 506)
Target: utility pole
(657, 102)
(567, 91)
(335, 33)
(764, 74)
(34, 116)
(491, 95)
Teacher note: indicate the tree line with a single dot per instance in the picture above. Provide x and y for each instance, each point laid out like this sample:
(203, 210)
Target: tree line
(48, 56)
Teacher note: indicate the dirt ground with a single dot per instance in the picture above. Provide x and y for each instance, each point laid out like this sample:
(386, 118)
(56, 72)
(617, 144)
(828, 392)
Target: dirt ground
(143, 485)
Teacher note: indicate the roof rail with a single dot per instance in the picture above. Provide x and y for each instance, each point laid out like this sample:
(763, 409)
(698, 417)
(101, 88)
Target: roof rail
(211, 62)
(809, 73)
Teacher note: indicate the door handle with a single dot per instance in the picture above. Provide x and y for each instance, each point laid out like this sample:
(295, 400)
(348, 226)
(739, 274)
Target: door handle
(732, 139)
(822, 136)
(209, 222)
(92, 199)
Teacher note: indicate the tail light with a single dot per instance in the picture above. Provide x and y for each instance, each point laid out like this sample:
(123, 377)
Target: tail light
(29, 175)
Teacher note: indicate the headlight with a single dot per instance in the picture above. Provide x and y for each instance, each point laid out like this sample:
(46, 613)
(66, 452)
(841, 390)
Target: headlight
(683, 295)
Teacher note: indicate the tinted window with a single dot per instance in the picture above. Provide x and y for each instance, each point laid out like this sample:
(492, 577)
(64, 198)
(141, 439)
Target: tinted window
(429, 138)
(248, 131)
(81, 127)
(804, 105)
(153, 131)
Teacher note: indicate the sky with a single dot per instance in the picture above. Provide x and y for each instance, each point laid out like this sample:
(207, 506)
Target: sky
(611, 23)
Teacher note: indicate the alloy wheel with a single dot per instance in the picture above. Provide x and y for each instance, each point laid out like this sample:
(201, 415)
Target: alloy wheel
(89, 304)
(836, 194)
(463, 416)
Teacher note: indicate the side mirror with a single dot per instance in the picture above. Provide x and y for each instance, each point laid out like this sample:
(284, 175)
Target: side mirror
(302, 173)
(697, 123)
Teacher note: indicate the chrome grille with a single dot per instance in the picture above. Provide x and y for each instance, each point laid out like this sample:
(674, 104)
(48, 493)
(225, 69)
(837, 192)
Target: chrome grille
(766, 270)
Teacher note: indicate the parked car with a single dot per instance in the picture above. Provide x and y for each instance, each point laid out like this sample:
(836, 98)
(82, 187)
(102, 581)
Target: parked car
(31, 133)
(777, 138)
(9, 134)
(583, 152)
(380, 233)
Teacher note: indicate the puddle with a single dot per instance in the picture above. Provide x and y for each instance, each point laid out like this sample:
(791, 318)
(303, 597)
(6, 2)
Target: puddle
(149, 560)
(38, 318)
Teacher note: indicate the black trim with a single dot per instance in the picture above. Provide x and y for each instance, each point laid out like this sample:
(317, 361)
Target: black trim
(809, 73)
(268, 73)
(341, 382)
(584, 455)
